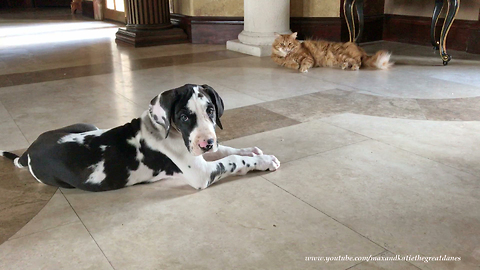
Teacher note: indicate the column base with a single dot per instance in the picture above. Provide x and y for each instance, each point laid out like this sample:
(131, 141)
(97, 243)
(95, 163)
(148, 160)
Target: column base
(151, 38)
(255, 50)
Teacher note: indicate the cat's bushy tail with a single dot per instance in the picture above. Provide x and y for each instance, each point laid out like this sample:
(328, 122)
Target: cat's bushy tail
(380, 60)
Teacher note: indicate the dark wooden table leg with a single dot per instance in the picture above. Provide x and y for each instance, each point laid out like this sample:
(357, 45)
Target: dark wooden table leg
(453, 6)
(148, 24)
(436, 11)
(359, 6)
(348, 12)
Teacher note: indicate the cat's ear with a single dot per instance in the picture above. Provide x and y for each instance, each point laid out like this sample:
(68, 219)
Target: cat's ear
(294, 35)
(277, 35)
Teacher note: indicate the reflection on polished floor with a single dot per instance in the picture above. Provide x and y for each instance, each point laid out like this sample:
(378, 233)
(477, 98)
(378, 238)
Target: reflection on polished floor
(378, 163)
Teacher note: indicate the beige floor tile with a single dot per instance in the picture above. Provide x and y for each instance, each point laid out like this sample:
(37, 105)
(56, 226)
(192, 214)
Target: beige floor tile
(465, 109)
(142, 85)
(331, 102)
(65, 247)
(258, 77)
(455, 144)
(56, 212)
(245, 223)
(4, 115)
(167, 50)
(400, 82)
(408, 204)
(22, 197)
(11, 137)
(37, 111)
(250, 120)
(299, 141)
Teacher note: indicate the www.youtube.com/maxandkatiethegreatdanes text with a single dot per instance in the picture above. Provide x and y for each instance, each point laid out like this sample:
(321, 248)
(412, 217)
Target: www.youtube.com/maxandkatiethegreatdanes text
(408, 258)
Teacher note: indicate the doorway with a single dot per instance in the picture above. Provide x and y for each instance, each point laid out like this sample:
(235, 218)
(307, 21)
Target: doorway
(115, 10)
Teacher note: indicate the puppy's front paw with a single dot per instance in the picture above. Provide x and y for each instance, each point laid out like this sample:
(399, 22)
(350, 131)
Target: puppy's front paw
(267, 162)
(251, 152)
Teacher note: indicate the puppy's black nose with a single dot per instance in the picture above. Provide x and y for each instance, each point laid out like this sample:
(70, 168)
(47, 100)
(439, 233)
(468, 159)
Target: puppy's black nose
(210, 141)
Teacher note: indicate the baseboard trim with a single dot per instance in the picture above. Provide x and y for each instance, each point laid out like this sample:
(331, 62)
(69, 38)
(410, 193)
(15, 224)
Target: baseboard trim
(218, 30)
(209, 29)
(464, 35)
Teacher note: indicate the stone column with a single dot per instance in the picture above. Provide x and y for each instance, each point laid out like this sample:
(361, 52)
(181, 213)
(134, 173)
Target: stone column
(262, 18)
(148, 24)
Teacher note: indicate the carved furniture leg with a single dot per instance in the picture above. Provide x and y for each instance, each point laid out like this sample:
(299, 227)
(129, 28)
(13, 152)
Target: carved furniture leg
(348, 12)
(453, 6)
(359, 6)
(436, 11)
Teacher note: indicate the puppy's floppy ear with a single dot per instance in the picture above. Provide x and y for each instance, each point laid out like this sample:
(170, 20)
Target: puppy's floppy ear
(161, 107)
(217, 102)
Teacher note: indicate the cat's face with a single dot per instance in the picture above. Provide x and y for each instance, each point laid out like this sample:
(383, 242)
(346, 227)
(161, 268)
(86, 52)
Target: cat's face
(285, 44)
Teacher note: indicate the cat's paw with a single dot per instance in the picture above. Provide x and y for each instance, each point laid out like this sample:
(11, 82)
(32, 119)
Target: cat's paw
(303, 69)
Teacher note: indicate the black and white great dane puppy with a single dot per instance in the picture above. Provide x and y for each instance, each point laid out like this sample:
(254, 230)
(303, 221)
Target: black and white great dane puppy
(175, 137)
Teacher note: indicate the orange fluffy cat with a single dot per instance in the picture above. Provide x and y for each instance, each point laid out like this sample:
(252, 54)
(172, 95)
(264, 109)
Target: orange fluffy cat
(289, 52)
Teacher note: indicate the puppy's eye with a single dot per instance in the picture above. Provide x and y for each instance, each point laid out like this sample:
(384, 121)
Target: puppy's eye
(210, 111)
(184, 118)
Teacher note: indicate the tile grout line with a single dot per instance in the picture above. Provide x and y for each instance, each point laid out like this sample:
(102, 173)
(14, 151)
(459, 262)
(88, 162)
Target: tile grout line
(45, 230)
(101, 250)
(331, 217)
(229, 87)
(421, 109)
(435, 161)
(328, 150)
(15, 122)
(407, 151)
(31, 220)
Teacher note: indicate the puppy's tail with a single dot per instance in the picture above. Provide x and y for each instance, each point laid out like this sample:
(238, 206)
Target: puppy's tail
(14, 157)
(380, 60)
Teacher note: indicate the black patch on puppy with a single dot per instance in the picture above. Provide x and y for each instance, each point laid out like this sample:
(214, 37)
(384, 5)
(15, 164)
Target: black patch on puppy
(157, 161)
(234, 166)
(184, 94)
(243, 161)
(218, 171)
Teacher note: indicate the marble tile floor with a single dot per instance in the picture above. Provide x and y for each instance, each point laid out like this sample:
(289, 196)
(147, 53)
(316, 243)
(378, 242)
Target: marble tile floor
(374, 163)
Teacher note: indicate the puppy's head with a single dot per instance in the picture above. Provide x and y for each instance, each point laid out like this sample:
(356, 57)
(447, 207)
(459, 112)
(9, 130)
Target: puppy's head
(192, 110)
